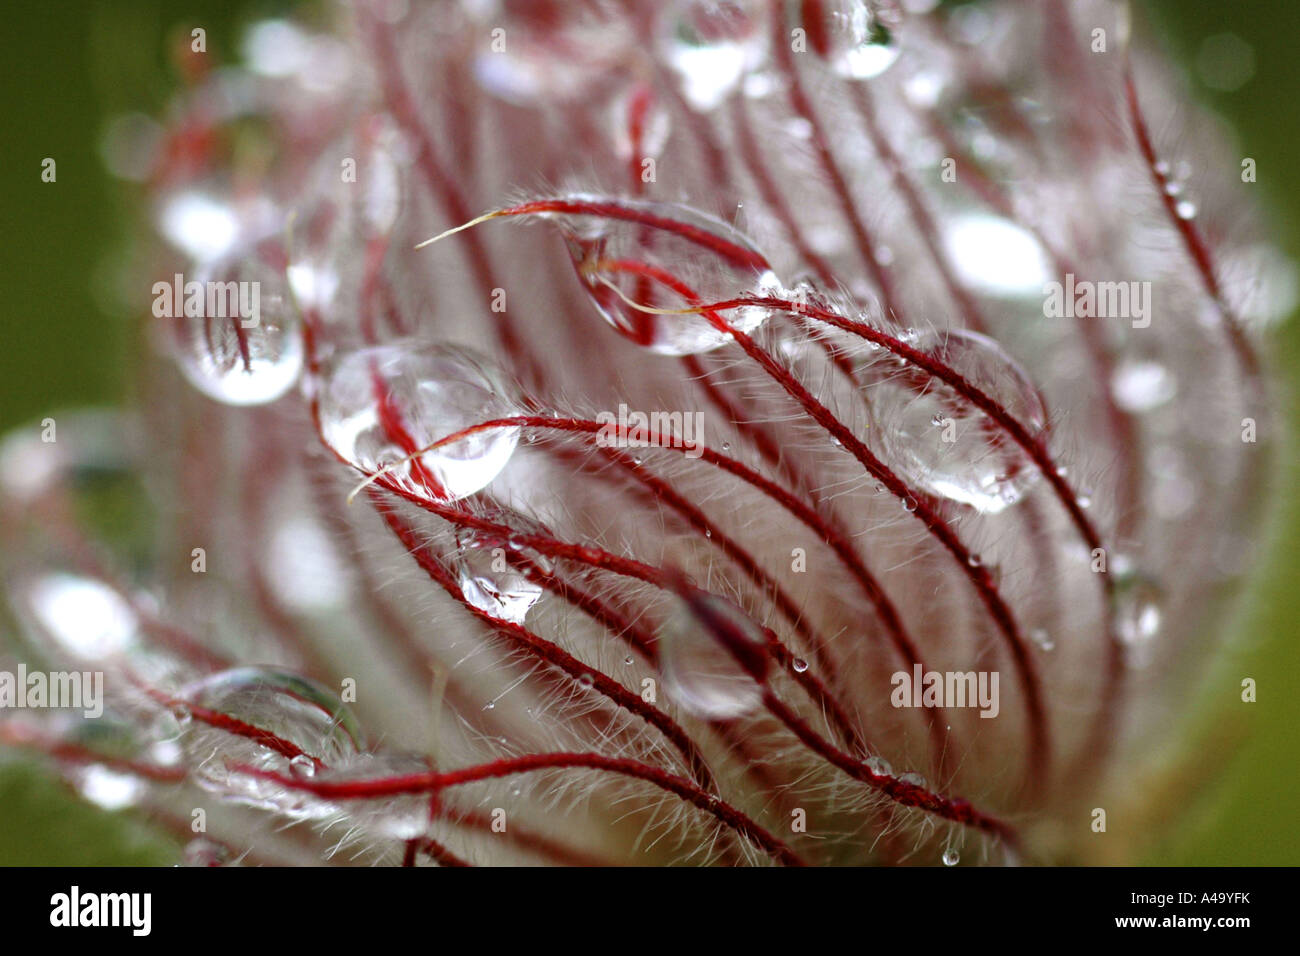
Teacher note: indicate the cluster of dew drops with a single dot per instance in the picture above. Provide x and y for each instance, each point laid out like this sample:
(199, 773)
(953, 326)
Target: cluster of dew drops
(439, 388)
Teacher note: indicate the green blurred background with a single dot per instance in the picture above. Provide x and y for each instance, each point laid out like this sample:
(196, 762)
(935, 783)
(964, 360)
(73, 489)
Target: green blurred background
(74, 65)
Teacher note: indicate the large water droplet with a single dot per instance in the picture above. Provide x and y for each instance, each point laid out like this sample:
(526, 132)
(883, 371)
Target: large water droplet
(296, 712)
(488, 579)
(966, 457)
(380, 404)
(699, 670)
(341, 253)
(951, 857)
(666, 256)
(712, 45)
(237, 339)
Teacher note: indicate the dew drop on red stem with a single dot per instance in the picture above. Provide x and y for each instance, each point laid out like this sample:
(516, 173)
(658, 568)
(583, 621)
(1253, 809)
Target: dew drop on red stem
(634, 257)
(380, 405)
(234, 333)
(341, 255)
(700, 672)
(487, 571)
(289, 713)
(934, 437)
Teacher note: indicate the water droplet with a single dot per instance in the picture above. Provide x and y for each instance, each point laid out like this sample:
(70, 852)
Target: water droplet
(296, 711)
(201, 225)
(951, 857)
(334, 218)
(1186, 209)
(994, 255)
(970, 459)
(236, 336)
(83, 616)
(1042, 638)
(628, 660)
(382, 403)
(854, 39)
(1142, 386)
(666, 256)
(166, 753)
(586, 681)
(700, 671)
(800, 665)
(974, 560)
(879, 766)
(204, 852)
(915, 779)
(302, 766)
(107, 788)
(1138, 615)
(726, 446)
(712, 45)
(909, 504)
(488, 579)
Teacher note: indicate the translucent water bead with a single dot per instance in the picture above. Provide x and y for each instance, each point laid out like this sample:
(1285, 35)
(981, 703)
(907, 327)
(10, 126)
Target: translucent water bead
(483, 565)
(712, 45)
(299, 715)
(935, 438)
(700, 671)
(636, 257)
(234, 331)
(381, 404)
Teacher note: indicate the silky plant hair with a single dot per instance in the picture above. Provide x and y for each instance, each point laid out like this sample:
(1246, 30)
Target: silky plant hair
(698, 432)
